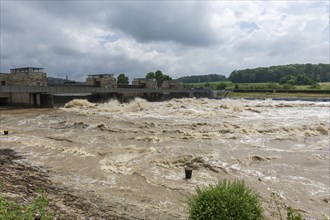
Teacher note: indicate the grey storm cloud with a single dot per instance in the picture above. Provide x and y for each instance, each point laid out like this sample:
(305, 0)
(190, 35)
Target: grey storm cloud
(181, 22)
(77, 38)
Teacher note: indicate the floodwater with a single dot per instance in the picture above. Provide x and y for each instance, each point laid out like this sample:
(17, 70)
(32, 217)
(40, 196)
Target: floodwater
(133, 155)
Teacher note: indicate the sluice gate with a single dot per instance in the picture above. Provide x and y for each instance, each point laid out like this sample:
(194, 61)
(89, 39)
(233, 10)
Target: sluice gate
(50, 96)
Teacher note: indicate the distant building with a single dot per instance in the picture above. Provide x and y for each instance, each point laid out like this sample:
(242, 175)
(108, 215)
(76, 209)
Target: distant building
(4, 79)
(102, 80)
(25, 76)
(145, 83)
(172, 84)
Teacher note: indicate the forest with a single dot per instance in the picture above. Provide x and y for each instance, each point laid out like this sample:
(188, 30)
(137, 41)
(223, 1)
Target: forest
(294, 74)
(202, 78)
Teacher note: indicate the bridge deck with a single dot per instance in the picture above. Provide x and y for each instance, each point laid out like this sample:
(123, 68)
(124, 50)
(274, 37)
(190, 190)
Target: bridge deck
(87, 89)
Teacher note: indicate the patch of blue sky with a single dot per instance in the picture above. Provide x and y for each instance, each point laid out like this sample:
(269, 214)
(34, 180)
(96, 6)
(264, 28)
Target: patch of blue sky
(248, 26)
(326, 33)
(319, 4)
(109, 38)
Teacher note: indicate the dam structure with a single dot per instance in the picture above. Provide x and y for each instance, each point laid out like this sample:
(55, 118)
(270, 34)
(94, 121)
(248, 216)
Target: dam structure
(28, 87)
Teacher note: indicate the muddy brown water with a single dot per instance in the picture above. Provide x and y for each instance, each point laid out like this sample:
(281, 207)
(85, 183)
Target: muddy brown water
(135, 153)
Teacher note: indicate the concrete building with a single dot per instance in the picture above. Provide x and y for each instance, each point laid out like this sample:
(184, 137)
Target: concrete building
(101, 80)
(4, 79)
(28, 87)
(145, 83)
(172, 84)
(25, 76)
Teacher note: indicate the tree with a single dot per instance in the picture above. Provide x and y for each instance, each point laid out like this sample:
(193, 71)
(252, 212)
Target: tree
(282, 80)
(303, 80)
(291, 82)
(151, 75)
(202, 78)
(303, 74)
(159, 76)
(122, 79)
(166, 77)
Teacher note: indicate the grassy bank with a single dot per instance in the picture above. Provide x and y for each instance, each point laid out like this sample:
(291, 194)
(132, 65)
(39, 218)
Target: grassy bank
(230, 85)
(9, 209)
(259, 95)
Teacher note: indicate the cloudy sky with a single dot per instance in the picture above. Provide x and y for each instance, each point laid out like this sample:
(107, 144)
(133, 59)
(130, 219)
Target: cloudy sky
(77, 38)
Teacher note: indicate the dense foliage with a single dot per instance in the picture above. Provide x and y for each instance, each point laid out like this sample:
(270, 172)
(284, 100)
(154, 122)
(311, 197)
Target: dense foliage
(294, 74)
(202, 78)
(59, 81)
(158, 76)
(225, 201)
(122, 79)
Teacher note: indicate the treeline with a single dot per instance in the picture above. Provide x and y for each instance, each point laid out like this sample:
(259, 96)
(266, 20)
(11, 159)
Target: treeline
(202, 78)
(294, 74)
(60, 81)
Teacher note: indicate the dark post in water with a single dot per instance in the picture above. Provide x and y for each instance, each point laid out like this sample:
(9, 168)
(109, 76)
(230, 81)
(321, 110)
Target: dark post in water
(188, 172)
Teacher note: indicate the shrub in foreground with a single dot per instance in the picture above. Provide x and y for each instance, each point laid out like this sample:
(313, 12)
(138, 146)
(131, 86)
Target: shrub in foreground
(225, 200)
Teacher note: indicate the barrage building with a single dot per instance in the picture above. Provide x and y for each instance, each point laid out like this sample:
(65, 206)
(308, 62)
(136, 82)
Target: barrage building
(25, 76)
(145, 83)
(101, 80)
(28, 86)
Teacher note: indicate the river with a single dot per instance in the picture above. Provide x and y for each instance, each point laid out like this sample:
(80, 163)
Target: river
(134, 154)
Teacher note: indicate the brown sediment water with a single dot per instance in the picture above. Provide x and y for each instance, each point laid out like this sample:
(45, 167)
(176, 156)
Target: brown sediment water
(135, 153)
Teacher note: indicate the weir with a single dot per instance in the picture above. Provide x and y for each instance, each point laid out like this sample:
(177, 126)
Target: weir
(50, 96)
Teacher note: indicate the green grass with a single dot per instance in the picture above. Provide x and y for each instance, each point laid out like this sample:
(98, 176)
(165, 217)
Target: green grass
(307, 87)
(230, 85)
(10, 210)
(212, 84)
(259, 95)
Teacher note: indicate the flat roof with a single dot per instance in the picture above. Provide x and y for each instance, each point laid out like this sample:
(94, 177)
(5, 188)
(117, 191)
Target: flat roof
(100, 75)
(29, 67)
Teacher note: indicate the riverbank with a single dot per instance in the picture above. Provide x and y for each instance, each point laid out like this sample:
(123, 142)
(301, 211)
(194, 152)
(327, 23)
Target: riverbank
(280, 96)
(21, 183)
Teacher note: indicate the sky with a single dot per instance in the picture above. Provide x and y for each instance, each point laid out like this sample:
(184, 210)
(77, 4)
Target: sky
(76, 38)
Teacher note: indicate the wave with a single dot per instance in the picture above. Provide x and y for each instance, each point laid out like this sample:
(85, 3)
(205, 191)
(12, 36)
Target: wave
(78, 103)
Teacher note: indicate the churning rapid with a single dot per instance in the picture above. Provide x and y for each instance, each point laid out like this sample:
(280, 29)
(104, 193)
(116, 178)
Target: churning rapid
(133, 155)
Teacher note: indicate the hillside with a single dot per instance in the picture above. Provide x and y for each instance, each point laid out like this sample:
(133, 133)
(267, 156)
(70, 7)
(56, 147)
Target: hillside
(202, 78)
(300, 74)
(60, 81)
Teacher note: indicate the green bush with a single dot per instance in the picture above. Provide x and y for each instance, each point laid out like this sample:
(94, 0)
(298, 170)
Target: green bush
(315, 86)
(259, 86)
(272, 86)
(225, 200)
(288, 86)
(221, 86)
